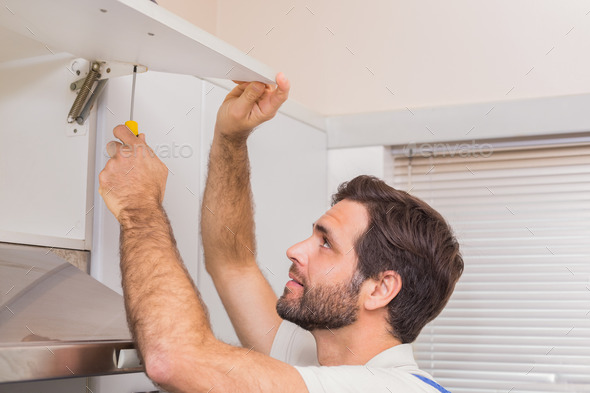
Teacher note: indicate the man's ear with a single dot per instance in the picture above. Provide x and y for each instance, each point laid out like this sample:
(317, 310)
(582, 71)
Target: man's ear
(382, 290)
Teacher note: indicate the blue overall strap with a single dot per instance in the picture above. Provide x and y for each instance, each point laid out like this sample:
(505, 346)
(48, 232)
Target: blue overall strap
(432, 383)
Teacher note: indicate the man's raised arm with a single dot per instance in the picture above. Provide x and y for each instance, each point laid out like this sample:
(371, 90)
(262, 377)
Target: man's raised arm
(227, 222)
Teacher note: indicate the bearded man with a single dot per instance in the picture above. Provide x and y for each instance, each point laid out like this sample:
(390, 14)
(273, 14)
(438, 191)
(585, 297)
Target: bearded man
(378, 266)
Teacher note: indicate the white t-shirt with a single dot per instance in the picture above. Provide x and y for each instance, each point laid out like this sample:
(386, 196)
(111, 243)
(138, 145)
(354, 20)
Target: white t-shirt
(388, 372)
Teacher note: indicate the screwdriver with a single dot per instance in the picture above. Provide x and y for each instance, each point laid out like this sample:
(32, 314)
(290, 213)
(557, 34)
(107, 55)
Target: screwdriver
(132, 125)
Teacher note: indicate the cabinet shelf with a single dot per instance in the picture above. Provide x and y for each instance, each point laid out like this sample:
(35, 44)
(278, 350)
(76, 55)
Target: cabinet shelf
(132, 31)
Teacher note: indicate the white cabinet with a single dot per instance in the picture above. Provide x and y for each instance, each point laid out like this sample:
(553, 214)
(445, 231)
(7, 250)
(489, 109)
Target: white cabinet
(168, 109)
(178, 113)
(45, 178)
(131, 31)
(45, 174)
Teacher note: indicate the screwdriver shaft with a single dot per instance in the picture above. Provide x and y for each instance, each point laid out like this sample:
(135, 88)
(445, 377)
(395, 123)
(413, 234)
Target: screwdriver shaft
(133, 92)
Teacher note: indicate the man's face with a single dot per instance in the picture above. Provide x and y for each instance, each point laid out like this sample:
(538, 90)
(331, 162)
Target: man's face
(324, 288)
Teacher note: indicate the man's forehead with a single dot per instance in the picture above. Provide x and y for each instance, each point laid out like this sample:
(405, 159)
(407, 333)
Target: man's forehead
(346, 218)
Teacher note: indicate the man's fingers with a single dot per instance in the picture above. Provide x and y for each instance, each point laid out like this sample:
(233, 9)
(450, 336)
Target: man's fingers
(125, 135)
(247, 99)
(283, 84)
(281, 93)
(255, 102)
(113, 148)
(237, 90)
(274, 98)
(252, 93)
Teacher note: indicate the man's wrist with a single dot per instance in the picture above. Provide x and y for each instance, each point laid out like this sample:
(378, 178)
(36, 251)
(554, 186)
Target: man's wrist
(233, 139)
(144, 216)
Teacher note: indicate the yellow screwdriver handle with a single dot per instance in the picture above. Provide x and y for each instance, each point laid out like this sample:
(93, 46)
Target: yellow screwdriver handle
(132, 125)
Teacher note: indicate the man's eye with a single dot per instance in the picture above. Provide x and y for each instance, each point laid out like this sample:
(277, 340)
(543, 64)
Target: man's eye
(326, 244)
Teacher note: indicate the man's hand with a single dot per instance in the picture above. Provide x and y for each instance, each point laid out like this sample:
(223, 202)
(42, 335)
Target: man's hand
(248, 105)
(134, 178)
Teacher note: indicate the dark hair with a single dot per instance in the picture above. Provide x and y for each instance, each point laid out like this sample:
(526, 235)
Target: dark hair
(407, 236)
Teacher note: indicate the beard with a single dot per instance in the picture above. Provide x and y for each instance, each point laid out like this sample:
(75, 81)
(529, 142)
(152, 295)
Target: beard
(323, 307)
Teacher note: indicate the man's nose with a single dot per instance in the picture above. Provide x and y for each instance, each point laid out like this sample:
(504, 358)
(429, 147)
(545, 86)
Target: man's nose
(299, 253)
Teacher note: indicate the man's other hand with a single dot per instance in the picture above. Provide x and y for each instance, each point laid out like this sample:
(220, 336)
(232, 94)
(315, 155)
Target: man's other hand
(134, 178)
(248, 105)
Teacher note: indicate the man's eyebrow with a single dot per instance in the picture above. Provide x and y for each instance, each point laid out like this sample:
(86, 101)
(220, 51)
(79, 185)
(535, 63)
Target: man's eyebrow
(322, 229)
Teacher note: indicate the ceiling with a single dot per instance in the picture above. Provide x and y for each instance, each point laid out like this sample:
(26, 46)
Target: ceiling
(347, 57)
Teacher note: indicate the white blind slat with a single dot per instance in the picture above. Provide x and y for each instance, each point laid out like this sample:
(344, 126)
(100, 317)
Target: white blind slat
(466, 173)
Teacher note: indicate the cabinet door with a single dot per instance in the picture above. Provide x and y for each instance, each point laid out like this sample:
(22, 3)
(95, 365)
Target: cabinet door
(288, 160)
(45, 187)
(168, 110)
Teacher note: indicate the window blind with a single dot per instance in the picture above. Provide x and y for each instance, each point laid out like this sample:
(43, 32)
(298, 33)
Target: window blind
(519, 319)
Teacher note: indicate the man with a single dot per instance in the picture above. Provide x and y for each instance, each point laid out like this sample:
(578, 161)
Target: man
(378, 266)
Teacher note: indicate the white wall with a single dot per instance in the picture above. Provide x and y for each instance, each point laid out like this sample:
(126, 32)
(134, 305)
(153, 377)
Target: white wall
(471, 122)
(357, 57)
(202, 13)
(345, 164)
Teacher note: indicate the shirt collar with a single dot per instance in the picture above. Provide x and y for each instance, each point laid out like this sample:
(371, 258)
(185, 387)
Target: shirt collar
(398, 356)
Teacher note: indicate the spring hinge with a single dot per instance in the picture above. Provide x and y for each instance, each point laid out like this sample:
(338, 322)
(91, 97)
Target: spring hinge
(92, 85)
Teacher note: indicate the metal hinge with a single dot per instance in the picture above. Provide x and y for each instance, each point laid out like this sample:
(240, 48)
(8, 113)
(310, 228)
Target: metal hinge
(91, 79)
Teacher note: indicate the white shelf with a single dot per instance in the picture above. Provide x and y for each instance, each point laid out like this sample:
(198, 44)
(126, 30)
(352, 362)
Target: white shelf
(133, 31)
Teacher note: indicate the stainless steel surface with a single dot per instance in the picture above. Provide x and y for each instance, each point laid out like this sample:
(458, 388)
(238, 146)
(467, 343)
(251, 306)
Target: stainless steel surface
(55, 320)
(31, 361)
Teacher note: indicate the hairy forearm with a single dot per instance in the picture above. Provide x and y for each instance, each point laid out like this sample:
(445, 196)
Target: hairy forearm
(227, 222)
(164, 309)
